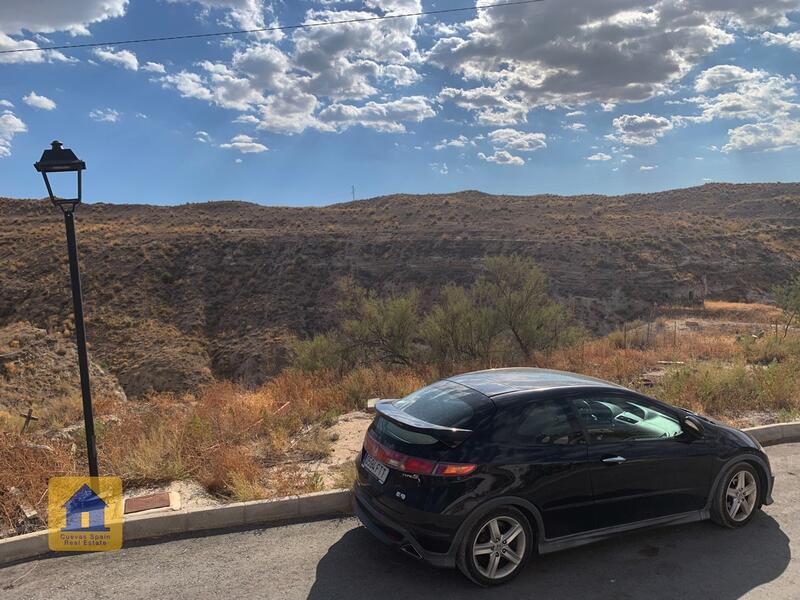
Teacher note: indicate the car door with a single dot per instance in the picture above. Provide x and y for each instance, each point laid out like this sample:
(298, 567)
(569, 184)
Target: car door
(540, 448)
(643, 464)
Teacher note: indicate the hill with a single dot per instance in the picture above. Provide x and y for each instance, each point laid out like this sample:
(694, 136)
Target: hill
(176, 296)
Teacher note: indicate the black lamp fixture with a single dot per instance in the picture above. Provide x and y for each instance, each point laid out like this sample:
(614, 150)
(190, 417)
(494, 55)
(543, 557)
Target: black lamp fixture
(63, 160)
(58, 159)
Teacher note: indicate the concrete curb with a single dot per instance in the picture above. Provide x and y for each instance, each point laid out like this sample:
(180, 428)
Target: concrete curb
(780, 433)
(238, 514)
(264, 512)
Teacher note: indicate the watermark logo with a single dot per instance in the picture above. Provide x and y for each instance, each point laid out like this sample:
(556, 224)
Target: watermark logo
(84, 513)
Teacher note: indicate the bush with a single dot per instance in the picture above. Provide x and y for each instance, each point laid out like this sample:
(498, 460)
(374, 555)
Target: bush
(506, 316)
(770, 349)
(717, 389)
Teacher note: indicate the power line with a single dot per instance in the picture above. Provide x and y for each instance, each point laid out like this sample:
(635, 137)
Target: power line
(276, 28)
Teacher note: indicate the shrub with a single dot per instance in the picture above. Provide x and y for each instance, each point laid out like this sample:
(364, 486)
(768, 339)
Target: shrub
(716, 389)
(506, 316)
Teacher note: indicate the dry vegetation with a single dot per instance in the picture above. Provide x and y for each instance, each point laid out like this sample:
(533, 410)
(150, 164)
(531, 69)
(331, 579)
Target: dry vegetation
(227, 438)
(244, 445)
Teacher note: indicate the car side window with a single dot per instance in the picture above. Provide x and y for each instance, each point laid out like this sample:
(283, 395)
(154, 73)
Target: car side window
(616, 419)
(546, 422)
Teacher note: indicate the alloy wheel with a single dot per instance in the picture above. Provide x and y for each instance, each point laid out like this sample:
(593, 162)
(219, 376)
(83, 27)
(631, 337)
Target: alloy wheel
(499, 547)
(741, 496)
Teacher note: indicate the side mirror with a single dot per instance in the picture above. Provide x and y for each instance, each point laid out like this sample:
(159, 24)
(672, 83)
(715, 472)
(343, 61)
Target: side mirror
(693, 426)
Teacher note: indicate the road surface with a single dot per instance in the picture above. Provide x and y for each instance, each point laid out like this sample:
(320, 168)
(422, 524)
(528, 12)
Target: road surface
(338, 559)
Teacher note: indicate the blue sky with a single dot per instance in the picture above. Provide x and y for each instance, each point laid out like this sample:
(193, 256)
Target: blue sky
(559, 97)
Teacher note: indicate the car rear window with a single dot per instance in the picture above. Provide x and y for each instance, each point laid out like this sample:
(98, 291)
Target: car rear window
(445, 403)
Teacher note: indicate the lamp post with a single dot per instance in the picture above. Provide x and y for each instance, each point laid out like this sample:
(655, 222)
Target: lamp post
(63, 160)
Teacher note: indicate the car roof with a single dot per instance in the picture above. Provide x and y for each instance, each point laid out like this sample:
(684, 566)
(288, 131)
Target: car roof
(494, 382)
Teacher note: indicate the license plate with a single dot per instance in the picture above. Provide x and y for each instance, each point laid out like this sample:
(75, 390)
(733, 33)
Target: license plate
(379, 470)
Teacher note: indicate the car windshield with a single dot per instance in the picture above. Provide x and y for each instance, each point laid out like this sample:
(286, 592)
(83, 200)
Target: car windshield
(444, 403)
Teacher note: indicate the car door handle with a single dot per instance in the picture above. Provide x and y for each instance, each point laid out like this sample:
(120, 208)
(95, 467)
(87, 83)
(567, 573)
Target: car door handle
(614, 460)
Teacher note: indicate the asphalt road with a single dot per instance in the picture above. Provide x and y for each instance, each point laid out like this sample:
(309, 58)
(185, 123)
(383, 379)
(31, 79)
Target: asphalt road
(339, 559)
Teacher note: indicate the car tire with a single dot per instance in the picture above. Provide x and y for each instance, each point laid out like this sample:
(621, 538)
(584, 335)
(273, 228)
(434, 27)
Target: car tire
(737, 497)
(497, 547)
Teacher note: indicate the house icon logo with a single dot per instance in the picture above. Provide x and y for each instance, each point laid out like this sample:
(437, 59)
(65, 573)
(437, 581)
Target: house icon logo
(85, 501)
(84, 513)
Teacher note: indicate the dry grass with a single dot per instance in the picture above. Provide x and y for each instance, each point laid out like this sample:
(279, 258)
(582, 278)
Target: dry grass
(754, 312)
(225, 437)
(241, 444)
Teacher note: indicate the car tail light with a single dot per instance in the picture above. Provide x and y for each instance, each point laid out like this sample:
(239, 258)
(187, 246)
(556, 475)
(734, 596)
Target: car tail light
(453, 469)
(412, 464)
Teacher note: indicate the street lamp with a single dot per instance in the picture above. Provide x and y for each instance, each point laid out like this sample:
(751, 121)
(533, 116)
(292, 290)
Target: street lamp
(63, 160)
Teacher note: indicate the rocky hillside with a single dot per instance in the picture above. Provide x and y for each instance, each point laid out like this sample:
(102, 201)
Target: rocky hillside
(41, 368)
(178, 295)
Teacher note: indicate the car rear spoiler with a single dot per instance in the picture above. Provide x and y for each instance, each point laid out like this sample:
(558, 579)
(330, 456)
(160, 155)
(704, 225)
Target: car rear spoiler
(388, 411)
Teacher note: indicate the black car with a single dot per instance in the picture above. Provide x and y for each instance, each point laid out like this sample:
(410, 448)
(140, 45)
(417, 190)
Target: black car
(481, 470)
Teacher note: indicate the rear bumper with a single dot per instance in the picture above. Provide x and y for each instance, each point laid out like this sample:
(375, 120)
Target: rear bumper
(391, 533)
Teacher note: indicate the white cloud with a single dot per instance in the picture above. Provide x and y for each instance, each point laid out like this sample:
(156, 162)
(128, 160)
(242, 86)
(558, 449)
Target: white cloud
(440, 168)
(35, 100)
(153, 67)
(342, 61)
(756, 95)
(6, 104)
(776, 135)
(247, 119)
(238, 161)
(245, 14)
(456, 142)
(245, 144)
(723, 75)
(121, 58)
(790, 40)
(202, 136)
(502, 157)
(9, 43)
(490, 105)
(640, 130)
(767, 101)
(190, 85)
(569, 55)
(648, 167)
(575, 126)
(511, 139)
(381, 116)
(10, 125)
(45, 16)
(104, 115)
(322, 78)
(575, 113)
(599, 156)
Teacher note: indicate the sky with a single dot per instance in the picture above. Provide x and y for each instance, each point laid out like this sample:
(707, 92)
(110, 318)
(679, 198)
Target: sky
(559, 96)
